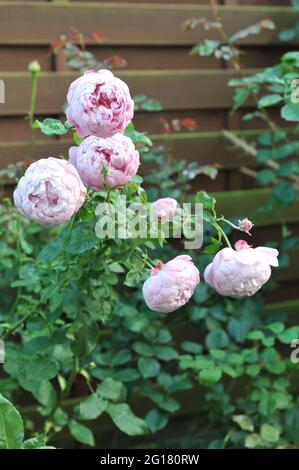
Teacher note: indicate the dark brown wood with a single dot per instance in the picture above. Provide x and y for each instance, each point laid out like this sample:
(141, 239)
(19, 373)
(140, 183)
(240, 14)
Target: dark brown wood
(127, 24)
(182, 90)
(17, 58)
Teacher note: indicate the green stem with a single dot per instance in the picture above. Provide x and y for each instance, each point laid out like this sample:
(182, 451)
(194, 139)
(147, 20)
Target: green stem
(223, 234)
(72, 378)
(34, 79)
(144, 260)
(16, 326)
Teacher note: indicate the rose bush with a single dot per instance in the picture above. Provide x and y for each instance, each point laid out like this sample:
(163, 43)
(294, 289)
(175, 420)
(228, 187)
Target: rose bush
(71, 287)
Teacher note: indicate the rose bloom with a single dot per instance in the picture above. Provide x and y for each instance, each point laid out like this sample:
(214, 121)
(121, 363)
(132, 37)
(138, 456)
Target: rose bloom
(50, 192)
(240, 272)
(171, 285)
(99, 104)
(117, 154)
(164, 208)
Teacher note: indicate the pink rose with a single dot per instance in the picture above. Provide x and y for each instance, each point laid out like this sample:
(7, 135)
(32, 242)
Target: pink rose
(50, 192)
(99, 104)
(117, 154)
(164, 208)
(241, 272)
(171, 285)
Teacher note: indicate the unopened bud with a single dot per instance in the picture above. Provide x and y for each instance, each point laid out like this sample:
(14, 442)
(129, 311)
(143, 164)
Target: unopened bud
(242, 245)
(34, 67)
(245, 225)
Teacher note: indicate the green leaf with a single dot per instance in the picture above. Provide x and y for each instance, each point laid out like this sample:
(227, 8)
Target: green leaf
(166, 353)
(284, 193)
(217, 339)
(92, 407)
(191, 347)
(85, 338)
(269, 100)
(50, 126)
(244, 422)
(269, 433)
(111, 389)
(11, 425)
(125, 420)
(81, 433)
(36, 442)
(210, 376)
(203, 198)
(287, 35)
(290, 112)
(264, 177)
(156, 420)
(143, 349)
(37, 345)
(240, 96)
(82, 239)
(148, 367)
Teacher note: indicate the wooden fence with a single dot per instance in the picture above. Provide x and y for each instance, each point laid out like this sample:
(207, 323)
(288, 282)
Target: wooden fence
(150, 37)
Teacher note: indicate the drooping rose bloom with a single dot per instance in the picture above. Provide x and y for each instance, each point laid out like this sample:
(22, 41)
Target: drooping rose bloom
(164, 208)
(241, 272)
(117, 154)
(171, 285)
(99, 104)
(50, 192)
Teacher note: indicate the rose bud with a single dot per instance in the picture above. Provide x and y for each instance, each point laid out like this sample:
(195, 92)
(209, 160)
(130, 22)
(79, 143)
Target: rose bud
(245, 225)
(164, 208)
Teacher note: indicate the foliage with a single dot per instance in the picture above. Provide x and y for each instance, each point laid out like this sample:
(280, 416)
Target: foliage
(82, 345)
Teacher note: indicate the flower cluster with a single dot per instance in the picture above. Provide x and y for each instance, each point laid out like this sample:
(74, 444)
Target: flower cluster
(53, 190)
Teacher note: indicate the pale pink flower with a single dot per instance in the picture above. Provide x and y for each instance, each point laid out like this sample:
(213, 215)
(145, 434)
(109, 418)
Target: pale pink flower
(50, 192)
(241, 272)
(164, 208)
(117, 155)
(99, 104)
(171, 285)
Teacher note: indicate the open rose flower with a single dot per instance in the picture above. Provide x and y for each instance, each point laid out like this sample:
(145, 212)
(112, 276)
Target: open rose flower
(50, 192)
(117, 154)
(99, 104)
(171, 285)
(164, 208)
(240, 272)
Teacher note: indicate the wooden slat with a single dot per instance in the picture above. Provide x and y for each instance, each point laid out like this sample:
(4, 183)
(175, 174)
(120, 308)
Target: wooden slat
(246, 203)
(179, 90)
(130, 23)
(205, 147)
(16, 58)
